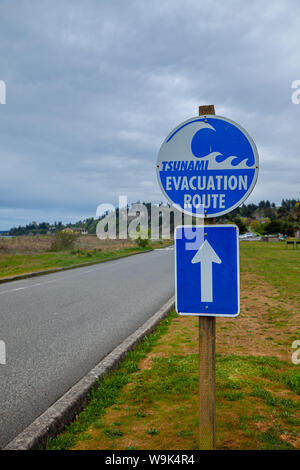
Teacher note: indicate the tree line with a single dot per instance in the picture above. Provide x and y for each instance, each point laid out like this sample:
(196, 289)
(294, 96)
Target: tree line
(262, 218)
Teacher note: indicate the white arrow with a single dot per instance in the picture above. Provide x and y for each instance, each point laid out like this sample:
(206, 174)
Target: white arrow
(206, 255)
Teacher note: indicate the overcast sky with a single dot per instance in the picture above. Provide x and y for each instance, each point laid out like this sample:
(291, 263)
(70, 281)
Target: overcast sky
(94, 87)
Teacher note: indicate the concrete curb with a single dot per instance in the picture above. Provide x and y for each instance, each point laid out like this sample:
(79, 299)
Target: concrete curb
(65, 268)
(62, 412)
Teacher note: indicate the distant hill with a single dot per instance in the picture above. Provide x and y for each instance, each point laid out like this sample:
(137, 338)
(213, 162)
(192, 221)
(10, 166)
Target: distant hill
(263, 218)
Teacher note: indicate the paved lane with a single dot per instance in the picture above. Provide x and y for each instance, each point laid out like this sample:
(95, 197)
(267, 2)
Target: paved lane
(57, 327)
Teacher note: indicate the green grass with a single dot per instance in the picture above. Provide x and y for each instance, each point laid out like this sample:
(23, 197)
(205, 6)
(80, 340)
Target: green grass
(153, 432)
(113, 433)
(108, 391)
(273, 401)
(238, 379)
(270, 440)
(266, 367)
(277, 265)
(180, 379)
(11, 265)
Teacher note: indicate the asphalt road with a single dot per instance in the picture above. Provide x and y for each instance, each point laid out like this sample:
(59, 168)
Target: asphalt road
(58, 327)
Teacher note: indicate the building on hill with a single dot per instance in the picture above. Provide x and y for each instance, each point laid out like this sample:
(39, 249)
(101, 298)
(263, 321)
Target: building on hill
(79, 230)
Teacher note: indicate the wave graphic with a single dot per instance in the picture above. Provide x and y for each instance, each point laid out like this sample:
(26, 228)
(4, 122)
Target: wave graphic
(219, 142)
(217, 161)
(221, 145)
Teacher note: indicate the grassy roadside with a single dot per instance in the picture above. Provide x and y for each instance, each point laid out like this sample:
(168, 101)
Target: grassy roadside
(23, 263)
(151, 402)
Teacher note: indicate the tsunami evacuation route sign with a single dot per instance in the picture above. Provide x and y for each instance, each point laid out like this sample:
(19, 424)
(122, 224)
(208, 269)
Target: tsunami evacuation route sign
(207, 162)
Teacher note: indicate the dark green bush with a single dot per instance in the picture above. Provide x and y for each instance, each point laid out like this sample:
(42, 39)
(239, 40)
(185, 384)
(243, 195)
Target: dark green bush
(142, 242)
(64, 240)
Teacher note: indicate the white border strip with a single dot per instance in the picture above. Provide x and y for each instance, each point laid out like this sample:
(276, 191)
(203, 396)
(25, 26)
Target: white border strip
(204, 227)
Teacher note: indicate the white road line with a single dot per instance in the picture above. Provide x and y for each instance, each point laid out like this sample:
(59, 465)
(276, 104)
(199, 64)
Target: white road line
(169, 248)
(12, 290)
(60, 279)
(47, 282)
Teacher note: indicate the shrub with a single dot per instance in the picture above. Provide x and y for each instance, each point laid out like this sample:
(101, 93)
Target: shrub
(142, 242)
(64, 240)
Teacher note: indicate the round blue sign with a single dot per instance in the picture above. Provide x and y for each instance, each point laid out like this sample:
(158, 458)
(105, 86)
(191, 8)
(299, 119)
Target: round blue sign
(207, 164)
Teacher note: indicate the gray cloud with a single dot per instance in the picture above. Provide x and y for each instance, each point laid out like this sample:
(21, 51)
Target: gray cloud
(93, 88)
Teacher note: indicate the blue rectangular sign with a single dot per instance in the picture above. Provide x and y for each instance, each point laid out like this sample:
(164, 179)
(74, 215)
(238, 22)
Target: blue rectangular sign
(207, 275)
